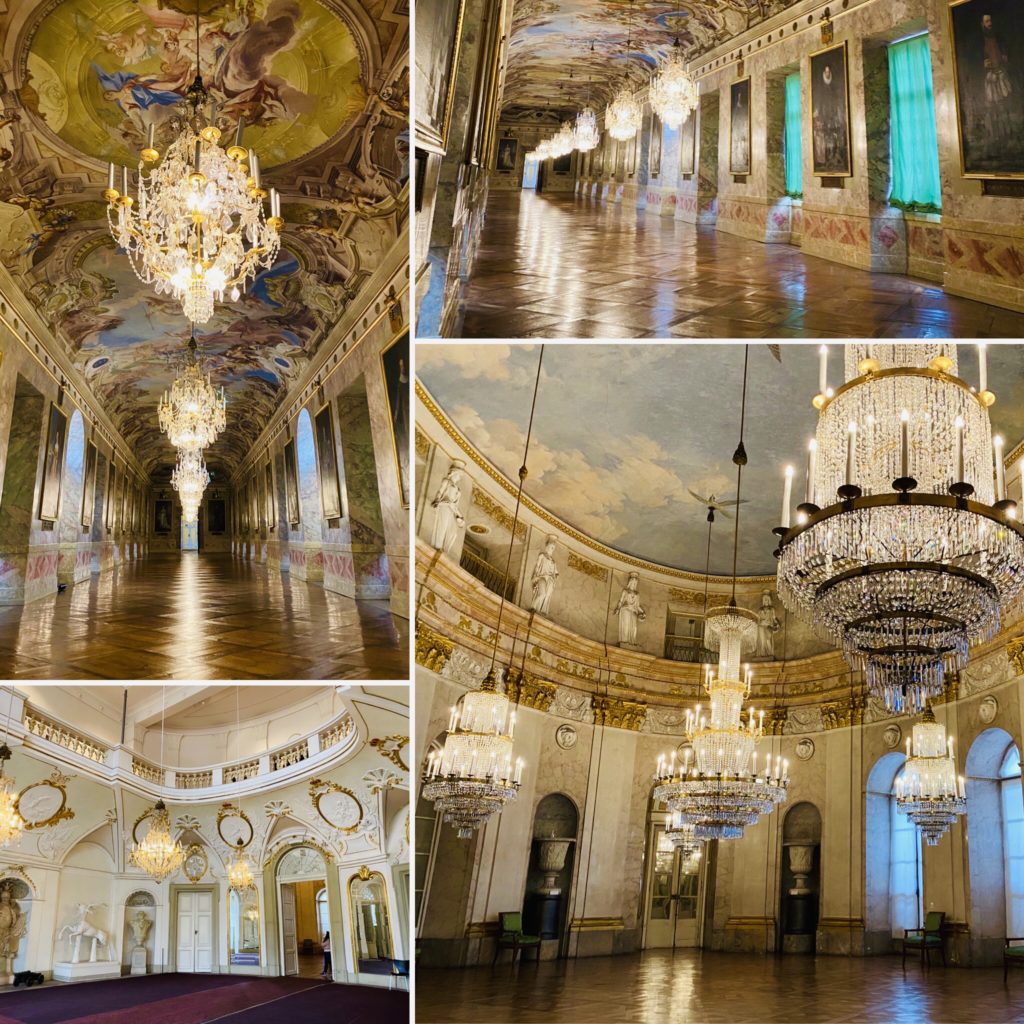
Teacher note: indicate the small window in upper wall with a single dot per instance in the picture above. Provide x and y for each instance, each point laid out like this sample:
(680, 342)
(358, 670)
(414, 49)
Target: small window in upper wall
(913, 144)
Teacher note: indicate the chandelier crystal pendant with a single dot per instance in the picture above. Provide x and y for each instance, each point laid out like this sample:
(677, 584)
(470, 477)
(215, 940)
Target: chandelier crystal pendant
(905, 548)
(189, 478)
(623, 116)
(159, 854)
(193, 413)
(197, 228)
(474, 776)
(673, 94)
(928, 790)
(682, 835)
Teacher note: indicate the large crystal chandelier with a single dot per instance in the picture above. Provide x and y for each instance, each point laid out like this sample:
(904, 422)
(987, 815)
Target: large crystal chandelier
(189, 478)
(585, 133)
(904, 548)
(474, 774)
(11, 822)
(673, 94)
(240, 876)
(722, 788)
(159, 854)
(928, 790)
(193, 413)
(197, 229)
(623, 116)
(682, 835)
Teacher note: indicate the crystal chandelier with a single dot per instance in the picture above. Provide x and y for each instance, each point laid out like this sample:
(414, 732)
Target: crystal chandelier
(198, 228)
(564, 141)
(240, 877)
(585, 133)
(189, 479)
(159, 854)
(682, 835)
(724, 789)
(193, 413)
(928, 790)
(673, 94)
(623, 116)
(11, 822)
(904, 548)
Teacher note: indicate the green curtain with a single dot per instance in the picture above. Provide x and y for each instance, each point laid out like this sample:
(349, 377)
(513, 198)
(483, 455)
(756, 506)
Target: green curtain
(792, 140)
(912, 141)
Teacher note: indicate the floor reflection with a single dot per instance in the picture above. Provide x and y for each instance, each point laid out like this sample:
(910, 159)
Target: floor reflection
(199, 616)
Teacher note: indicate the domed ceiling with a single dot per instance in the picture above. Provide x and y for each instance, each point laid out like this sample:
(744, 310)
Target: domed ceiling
(323, 87)
(626, 435)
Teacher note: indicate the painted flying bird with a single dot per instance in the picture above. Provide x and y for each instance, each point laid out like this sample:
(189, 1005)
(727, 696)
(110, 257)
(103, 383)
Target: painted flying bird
(713, 504)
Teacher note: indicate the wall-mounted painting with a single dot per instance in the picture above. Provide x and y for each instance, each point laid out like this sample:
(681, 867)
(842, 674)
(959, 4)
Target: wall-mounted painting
(215, 515)
(163, 515)
(830, 114)
(243, 508)
(394, 361)
(438, 31)
(327, 462)
(255, 513)
(688, 144)
(654, 164)
(508, 153)
(108, 509)
(739, 127)
(597, 165)
(988, 69)
(631, 156)
(89, 484)
(122, 503)
(269, 491)
(291, 482)
(53, 465)
(562, 164)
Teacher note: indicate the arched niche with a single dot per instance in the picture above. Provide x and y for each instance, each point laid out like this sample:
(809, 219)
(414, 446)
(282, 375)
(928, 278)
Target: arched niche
(552, 861)
(800, 877)
(370, 913)
(308, 562)
(877, 853)
(139, 907)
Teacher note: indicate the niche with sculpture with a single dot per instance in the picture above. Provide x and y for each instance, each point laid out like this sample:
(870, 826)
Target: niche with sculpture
(137, 935)
(800, 877)
(549, 879)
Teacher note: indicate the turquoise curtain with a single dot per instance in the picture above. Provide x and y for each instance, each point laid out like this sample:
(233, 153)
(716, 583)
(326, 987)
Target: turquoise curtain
(791, 142)
(912, 141)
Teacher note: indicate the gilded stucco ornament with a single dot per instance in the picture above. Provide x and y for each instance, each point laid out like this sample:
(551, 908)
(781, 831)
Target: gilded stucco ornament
(892, 735)
(337, 806)
(234, 824)
(805, 749)
(566, 737)
(195, 864)
(432, 648)
(45, 803)
(392, 747)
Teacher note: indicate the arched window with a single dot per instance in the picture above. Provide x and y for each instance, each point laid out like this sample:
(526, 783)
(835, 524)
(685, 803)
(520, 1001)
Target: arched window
(905, 889)
(1013, 839)
(321, 913)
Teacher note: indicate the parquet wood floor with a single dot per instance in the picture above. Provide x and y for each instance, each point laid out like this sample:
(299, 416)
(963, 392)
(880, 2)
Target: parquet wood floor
(693, 987)
(566, 267)
(201, 616)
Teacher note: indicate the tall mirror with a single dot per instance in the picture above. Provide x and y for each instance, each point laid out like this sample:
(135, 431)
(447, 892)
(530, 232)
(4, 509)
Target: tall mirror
(244, 928)
(368, 900)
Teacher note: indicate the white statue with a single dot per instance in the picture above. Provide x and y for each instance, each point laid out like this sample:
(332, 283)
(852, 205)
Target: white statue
(448, 520)
(140, 925)
(629, 611)
(545, 572)
(80, 929)
(767, 626)
(12, 928)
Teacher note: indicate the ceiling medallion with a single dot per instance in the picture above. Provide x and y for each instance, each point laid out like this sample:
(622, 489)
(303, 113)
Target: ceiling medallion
(905, 546)
(673, 94)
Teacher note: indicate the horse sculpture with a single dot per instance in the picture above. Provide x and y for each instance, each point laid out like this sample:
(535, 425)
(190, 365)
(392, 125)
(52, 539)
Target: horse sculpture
(82, 929)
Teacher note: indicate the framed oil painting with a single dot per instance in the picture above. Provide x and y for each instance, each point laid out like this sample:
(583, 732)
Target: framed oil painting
(739, 127)
(271, 504)
(654, 163)
(163, 515)
(830, 114)
(243, 509)
(255, 514)
(122, 504)
(631, 156)
(688, 144)
(291, 482)
(108, 504)
(988, 51)
(438, 31)
(562, 164)
(327, 462)
(508, 154)
(215, 515)
(394, 364)
(53, 465)
(89, 483)
(597, 165)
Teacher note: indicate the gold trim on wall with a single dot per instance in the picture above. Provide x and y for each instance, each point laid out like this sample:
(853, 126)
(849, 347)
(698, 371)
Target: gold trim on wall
(231, 811)
(597, 924)
(57, 781)
(394, 752)
(364, 874)
(195, 850)
(319, 788)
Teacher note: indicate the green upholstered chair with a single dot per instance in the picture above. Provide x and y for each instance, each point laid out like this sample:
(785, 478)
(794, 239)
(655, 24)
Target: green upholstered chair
(926, 940)
(1013, 953)
(510, 936)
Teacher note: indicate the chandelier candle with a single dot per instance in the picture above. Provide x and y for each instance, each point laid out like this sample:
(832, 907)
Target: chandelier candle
(997, 448)
(787, 494)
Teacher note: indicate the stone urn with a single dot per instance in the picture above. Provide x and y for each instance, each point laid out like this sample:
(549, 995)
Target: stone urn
(551, 860)
(801, 863)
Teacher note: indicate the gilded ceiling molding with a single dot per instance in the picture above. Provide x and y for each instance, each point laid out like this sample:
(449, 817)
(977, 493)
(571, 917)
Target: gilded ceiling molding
(618, 713)
(775, 721)
(689, 597)
(528, 691)
(482, 500)
(391, 747)
(580, 564)
(1015, 653)
(502, 481)
(840, 714)
(422, 444)
(432, 648)
(331, 799)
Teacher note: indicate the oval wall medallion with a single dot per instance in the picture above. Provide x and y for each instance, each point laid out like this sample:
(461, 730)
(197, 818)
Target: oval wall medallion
(337, 805)
(195, 864)
(565, 737)
(805, 749)
(234, 824)
(988, 709)
(892, 735)
(43, 804)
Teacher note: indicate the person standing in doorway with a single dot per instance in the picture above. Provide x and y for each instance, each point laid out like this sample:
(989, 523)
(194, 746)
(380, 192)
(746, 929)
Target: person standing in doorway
(327, 972)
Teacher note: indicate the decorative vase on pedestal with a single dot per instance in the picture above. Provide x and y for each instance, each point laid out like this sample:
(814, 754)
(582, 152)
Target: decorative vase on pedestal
(551, 860)
(801, 863)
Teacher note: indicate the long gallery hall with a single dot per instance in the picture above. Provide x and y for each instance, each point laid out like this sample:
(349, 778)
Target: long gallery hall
(783, 169)
(204, 349)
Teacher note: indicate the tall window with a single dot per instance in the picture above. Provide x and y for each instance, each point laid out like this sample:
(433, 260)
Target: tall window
(904, 871)
(1013, 840)
(792, 138)
(322, 914)
(912, 140)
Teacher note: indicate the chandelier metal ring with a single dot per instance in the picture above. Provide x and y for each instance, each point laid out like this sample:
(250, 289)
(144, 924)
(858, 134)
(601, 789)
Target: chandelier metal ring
(903, 372)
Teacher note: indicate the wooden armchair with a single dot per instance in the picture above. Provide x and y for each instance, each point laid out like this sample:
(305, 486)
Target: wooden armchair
(510, 927)
(927, 939)
(1012, 954)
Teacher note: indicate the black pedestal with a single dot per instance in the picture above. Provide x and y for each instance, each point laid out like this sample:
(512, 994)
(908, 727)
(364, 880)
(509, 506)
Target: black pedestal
(540, 916)
(801, 914)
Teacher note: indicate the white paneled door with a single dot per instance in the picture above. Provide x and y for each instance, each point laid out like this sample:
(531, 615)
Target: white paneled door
(288, 931)
(195, 932)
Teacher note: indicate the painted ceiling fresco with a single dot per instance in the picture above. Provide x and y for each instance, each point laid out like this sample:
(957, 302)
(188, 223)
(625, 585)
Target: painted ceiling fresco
(323, 87)
(590, 38)
(625, 435)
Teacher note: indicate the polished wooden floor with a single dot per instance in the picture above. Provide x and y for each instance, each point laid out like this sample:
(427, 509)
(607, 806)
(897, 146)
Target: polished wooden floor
(691, 987)
(567, 267)
(200, 616)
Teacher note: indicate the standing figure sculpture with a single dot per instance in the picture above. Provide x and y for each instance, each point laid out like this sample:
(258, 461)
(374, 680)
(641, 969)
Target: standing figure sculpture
(767, 626)
(80, 929)
(629, 611)
(545, 572)
(448, 519)
(12, 928)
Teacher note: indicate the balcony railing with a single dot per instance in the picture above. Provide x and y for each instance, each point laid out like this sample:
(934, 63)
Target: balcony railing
(242, 771)
(295, 754)
(48, 729)
(493, 579)
(193, 780)
(147, 771)
(334, 734)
